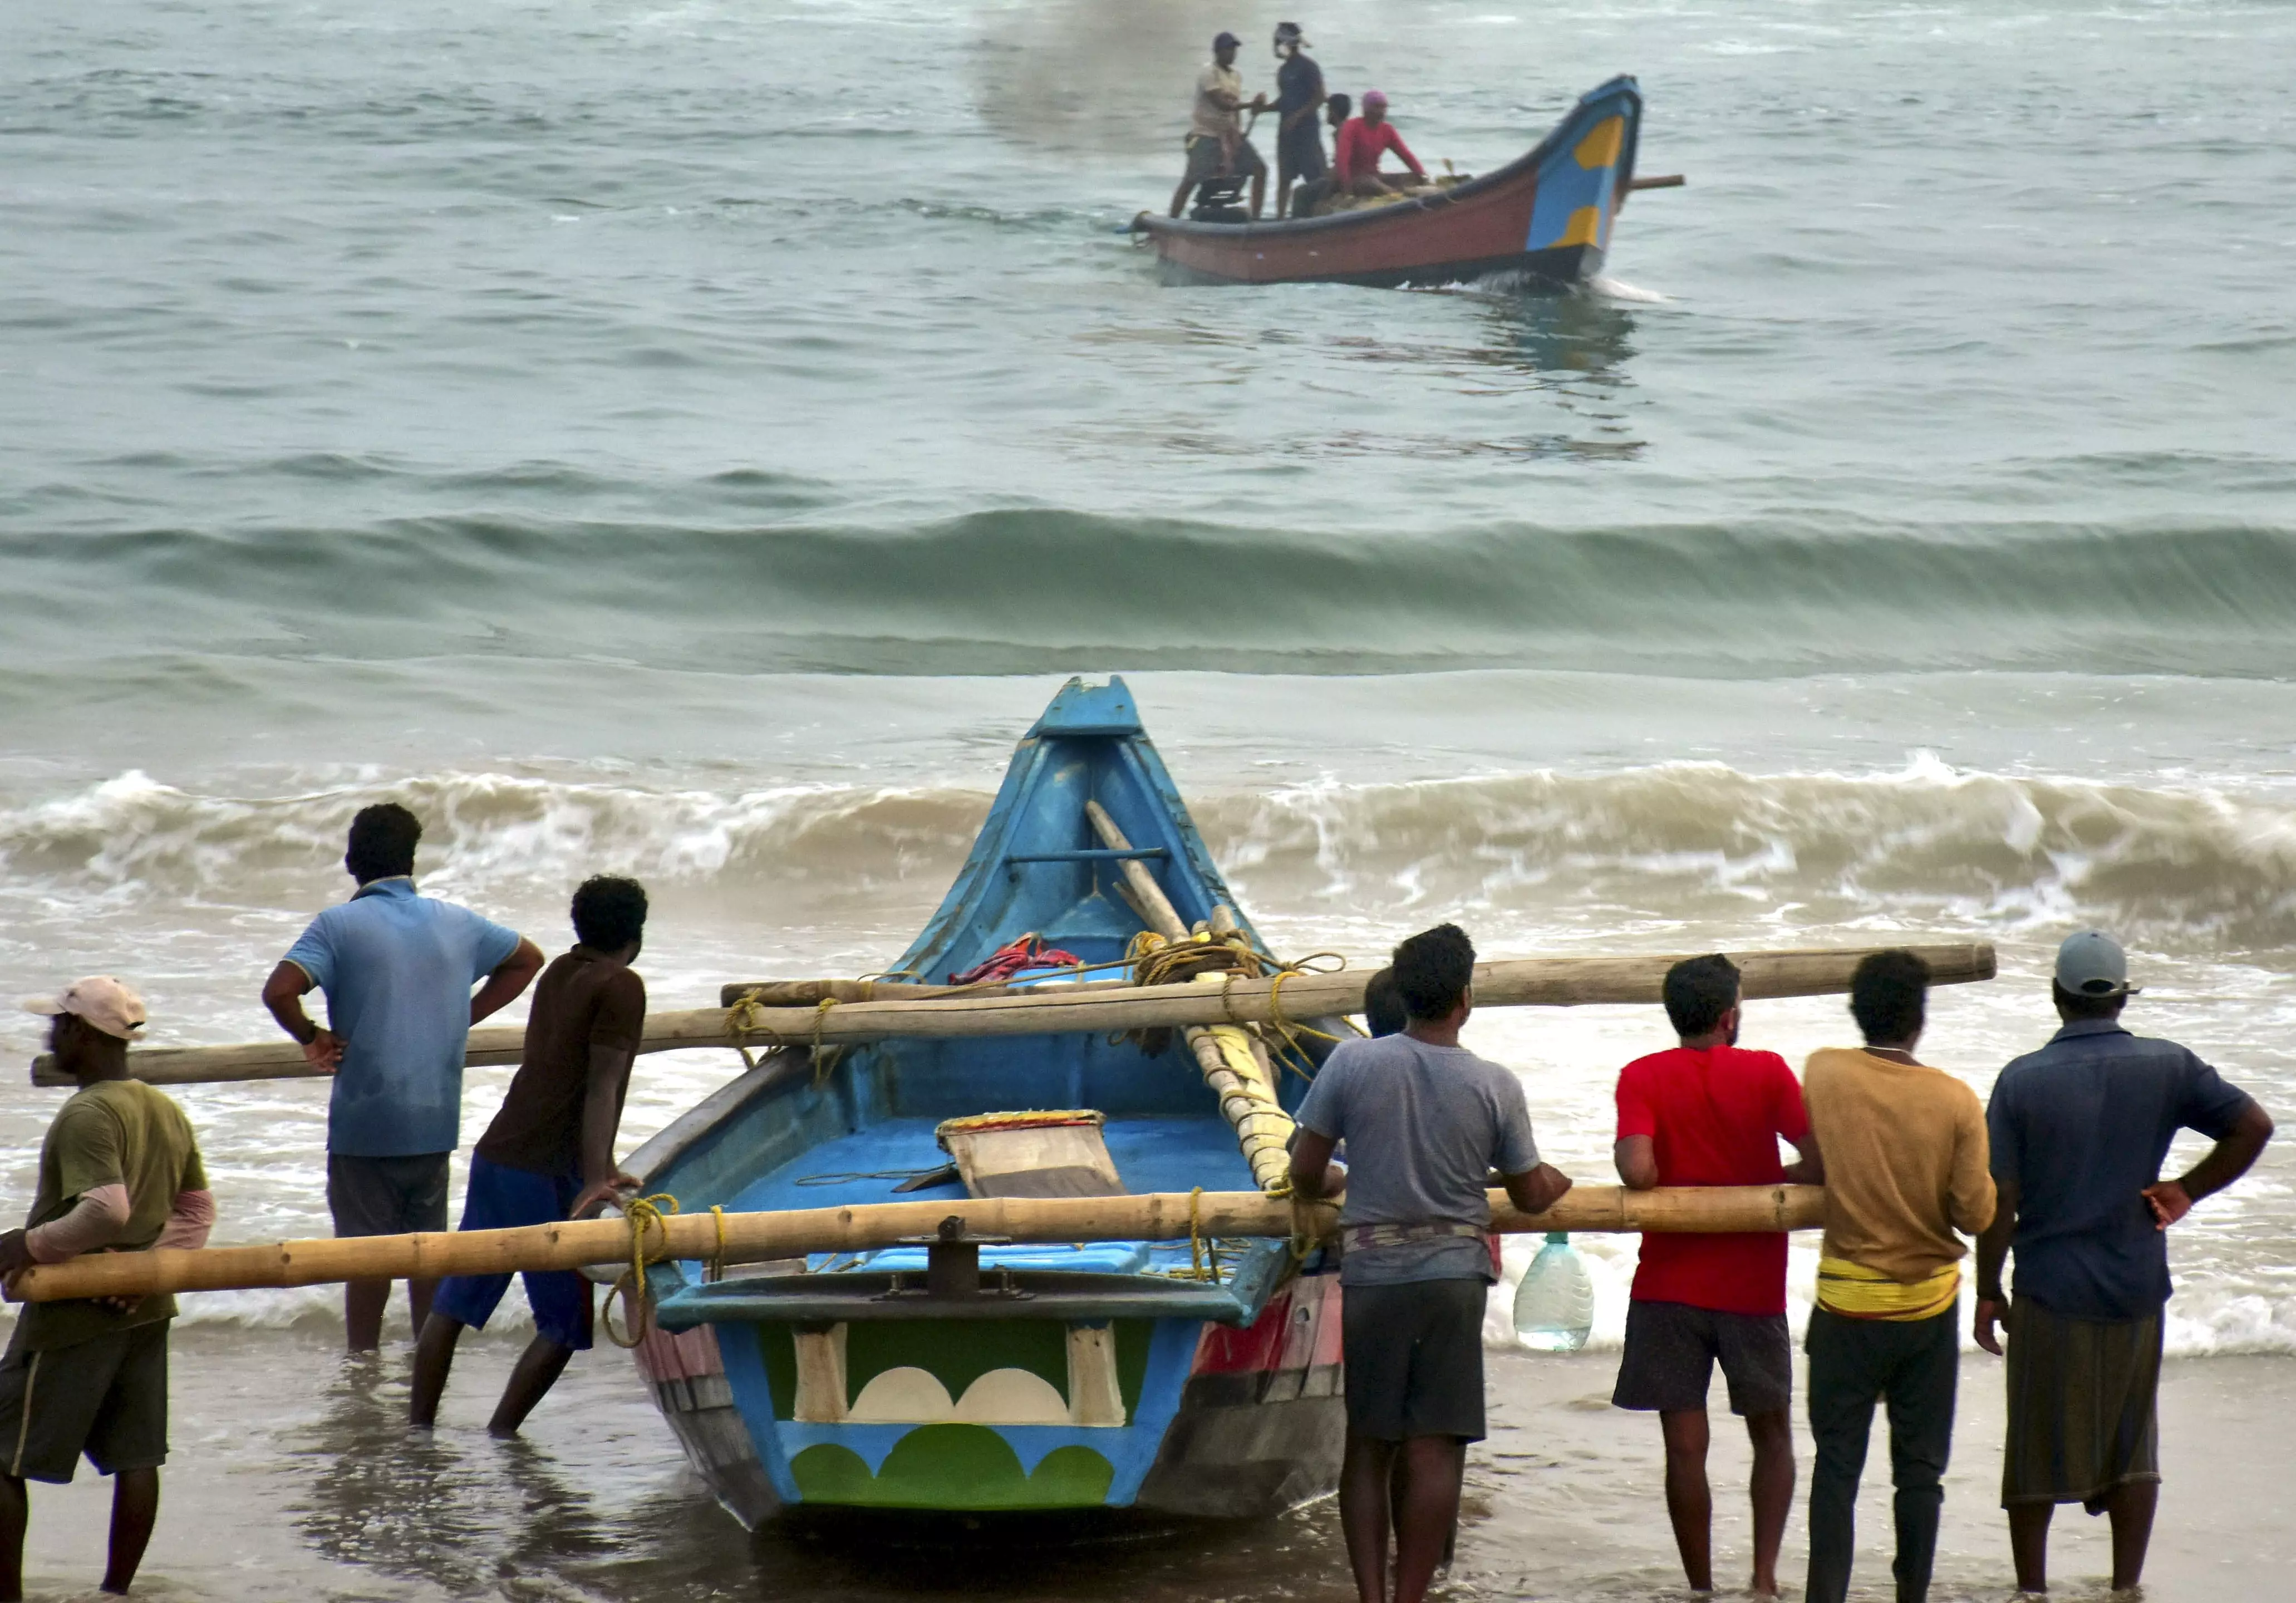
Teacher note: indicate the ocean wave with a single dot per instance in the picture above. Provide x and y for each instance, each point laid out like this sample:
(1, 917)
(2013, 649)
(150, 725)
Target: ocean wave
(1781, 596)
(1644, 849)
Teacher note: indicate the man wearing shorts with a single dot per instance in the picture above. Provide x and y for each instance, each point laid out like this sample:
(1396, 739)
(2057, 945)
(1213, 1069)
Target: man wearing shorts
(1216, 144)
(549, 1154)
(1426, 1122)
(119, 1171)
(2079, 1130)
(397, 970)
(1707, 1113)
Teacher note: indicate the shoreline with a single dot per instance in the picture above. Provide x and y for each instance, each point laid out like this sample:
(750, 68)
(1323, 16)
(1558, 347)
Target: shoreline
(293, 1477)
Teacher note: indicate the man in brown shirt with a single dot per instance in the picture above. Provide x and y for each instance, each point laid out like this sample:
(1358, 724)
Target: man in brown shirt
(1904, 1149)
(549, 1154)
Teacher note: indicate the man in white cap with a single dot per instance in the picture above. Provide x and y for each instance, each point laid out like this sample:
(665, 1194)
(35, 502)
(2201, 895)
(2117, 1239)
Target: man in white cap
(2078, 1131)
(119, 1171)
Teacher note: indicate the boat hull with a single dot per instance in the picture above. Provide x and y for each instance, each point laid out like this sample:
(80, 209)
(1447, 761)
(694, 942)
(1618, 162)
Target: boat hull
(1247, 1422)
(1181, 1376)
(1543, 221)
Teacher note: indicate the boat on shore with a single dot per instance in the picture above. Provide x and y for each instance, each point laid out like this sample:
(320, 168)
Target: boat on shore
(1181, 1377)
(1542, 221)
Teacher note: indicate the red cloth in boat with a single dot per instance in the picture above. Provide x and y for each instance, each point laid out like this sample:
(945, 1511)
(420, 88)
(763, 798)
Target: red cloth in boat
(1027, 952)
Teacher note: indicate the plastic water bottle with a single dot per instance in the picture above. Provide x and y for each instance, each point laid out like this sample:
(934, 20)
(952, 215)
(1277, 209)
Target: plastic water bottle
(1554, 1305)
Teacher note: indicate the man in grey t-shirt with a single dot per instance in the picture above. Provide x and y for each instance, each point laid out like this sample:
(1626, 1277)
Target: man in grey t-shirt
(1426, 1122)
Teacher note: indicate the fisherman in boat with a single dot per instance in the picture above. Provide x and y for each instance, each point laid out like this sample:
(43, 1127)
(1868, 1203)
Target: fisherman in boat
(1215, 146)
(1298, 91)
(1361, 144)
(1425, 1122)
(1314, 194)
(549, 1154)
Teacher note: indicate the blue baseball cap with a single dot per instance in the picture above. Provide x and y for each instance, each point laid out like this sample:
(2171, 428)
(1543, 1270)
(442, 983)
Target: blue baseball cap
(1226, 40)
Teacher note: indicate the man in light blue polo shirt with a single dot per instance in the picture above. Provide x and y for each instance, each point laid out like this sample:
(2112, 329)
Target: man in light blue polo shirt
(397, 970)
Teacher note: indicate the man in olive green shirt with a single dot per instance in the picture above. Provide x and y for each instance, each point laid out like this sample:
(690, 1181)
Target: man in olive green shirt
(119, 1171)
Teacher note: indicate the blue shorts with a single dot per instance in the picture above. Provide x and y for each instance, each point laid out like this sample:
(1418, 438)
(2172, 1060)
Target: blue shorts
(502, 1198)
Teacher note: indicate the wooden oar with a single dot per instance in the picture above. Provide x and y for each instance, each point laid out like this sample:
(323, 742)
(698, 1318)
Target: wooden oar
(757, 1238)
(1559, 982)
(1657, 181)
(1246, 1100)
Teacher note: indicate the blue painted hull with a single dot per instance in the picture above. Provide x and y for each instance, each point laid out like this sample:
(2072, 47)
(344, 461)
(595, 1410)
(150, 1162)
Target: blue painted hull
(1123, 1381)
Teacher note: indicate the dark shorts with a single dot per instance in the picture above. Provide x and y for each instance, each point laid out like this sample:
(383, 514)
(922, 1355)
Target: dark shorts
(387, 1196)
(1204, 159)
(501, 1197)
(106, 1397)
(1415, 1359)
(2083, 1399)
(1300, 153)
(1672, 1349)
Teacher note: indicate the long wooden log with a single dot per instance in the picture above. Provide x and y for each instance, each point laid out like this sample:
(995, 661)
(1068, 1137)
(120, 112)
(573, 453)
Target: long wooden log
(756, 1238)
(1559, 982)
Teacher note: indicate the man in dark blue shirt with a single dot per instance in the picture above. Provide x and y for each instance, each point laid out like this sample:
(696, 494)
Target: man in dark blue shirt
(2079, 1130)
(1299, 91)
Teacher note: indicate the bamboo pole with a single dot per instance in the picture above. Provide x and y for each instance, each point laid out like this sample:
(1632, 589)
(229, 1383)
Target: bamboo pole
(756, 1238)
(1247, 1098)
(1560, 982)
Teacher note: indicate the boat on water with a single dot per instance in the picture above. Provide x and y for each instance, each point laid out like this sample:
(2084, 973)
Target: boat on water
(1183, 1376)
(1542, 220)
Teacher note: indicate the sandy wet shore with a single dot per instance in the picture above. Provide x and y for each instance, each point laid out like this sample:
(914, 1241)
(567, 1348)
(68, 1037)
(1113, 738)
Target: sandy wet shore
(293, 1479)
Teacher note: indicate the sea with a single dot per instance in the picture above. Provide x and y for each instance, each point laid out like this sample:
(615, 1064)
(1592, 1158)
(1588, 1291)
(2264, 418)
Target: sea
(693, 440)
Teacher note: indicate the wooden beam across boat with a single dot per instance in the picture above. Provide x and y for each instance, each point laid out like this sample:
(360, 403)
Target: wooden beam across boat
(1559, 982)
(760, 1237)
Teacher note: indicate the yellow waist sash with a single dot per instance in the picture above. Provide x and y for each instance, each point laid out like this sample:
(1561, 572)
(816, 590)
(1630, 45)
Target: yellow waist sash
(1856, 1292)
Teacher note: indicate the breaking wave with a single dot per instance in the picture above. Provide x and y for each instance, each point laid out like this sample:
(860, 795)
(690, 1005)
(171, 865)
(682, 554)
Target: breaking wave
(2175, 867)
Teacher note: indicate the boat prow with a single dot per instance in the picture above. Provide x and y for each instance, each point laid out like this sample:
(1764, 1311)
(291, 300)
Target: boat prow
(1542, 220)
(1181, 1376)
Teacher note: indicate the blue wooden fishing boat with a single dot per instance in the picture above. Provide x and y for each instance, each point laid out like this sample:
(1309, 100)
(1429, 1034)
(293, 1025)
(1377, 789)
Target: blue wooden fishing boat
(1127, 1374)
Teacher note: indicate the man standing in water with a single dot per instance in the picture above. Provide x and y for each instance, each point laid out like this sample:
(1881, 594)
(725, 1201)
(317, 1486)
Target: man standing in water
(1905, 1152)
(549, 1154)
(119, 1171)
(1708, 1114)
(397, 970)
(1425, 1122)
(1216, 144)
(2079, 1130)
(1298, 91)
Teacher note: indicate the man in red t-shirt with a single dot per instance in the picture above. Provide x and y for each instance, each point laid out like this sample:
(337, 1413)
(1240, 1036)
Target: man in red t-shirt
(1362, 141)
(1708, 1114)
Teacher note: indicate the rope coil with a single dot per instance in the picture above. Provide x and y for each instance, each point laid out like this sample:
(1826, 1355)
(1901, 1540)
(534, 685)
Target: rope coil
(643, 1214)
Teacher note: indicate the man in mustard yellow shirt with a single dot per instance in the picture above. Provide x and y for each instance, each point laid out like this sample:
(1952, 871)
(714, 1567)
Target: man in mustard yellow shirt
(1904, 1149)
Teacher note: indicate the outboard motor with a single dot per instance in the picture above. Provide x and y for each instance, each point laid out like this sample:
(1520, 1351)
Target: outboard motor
(1220, 201)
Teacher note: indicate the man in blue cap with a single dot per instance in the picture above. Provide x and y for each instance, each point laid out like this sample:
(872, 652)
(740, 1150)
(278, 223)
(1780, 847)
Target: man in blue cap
(2078, 1131)
(1216, 144)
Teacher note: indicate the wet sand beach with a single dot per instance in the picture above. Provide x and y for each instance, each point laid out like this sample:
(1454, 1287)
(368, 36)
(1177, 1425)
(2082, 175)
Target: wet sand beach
(293, 1478)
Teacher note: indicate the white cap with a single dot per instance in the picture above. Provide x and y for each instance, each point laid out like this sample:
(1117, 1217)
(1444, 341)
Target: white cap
(105, 1002)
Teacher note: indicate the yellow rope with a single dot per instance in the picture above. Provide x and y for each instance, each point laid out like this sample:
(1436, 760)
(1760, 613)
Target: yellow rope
(823, 1061)
(637, 1314)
